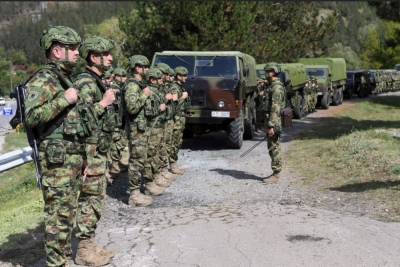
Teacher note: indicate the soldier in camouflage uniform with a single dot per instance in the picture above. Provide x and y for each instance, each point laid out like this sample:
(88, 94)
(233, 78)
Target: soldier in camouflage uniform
(50, 111)
(155, 112)
(96, 51)
(179, 116)
(165, 177)
(136, 95)
(273, 123)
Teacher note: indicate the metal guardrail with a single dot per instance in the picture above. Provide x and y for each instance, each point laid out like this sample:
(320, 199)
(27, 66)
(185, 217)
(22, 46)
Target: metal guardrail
(15, 158)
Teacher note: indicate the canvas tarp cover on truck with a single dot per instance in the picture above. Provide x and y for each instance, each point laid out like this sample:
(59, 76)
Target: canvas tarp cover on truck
(295, 72)
(337, 66)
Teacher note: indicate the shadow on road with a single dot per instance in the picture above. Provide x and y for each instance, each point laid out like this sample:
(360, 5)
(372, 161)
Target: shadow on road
(24, 249)
(119, 188)
(241, 175)
(391, 100)
(366, 186)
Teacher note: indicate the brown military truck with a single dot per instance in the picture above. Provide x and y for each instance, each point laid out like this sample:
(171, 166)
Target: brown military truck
(222, 87)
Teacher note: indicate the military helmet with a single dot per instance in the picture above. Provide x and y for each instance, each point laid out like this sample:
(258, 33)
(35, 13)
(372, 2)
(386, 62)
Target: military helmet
(171, 71)
(272, 66)
(61, 34)
(119, 71)
(95, 44)
(155, 73)
(108, 73)
(163, 67)
(181, 71)
(138, 60)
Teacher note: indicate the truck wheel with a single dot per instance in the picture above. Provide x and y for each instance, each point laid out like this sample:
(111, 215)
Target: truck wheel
(341, 95)
(336, 97)
(325, 100)
(299, 105)
(235, 133)
(249, 130)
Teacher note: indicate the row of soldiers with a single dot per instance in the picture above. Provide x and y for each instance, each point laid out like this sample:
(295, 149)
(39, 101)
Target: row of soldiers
(83, 125)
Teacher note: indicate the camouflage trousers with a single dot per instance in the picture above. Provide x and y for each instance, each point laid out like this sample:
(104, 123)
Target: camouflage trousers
(154, 152)
(169, 141)
(137, 157)
(61, 171)
(118, 150)
(177, 137)
(92, 193)
(274, 150)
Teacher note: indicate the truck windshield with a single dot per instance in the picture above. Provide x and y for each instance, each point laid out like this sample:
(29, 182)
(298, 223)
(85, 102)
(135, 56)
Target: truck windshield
(317, 72)
(203, 66)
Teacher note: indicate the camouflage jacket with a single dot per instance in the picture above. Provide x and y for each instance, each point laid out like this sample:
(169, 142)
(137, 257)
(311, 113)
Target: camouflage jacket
(275, 105)
(155, 117)
(91, 92)
(45, 103)
(135, 102)
(181, 105)
(168, 88)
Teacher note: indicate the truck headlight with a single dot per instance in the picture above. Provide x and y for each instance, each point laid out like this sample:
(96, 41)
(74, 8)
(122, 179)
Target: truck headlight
(221, 104)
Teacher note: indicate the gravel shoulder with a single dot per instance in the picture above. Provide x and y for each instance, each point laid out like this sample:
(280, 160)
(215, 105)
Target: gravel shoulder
(220, 214)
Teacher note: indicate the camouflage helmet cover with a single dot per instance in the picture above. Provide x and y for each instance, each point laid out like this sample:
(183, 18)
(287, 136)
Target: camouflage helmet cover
(163, 67)
(181, 71)
(108, 73)
(272, 66)
(138, 60)
(95, 44)
(155, 73)
(119, 71)
(61, 34)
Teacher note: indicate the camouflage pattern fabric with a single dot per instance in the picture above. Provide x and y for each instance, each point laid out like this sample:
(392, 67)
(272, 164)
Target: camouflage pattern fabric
(61, 161)
(167, 140)
(94, 186)
(276, 102)
(155, 131)
(135, 102)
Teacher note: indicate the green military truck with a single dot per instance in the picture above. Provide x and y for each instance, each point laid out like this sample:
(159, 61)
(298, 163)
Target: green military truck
(222, 88)
(331, 76)
(301, 93)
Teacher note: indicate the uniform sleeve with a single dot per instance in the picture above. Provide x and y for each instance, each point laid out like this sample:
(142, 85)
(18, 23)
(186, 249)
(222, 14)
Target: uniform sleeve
(45, 100)
(277, 101)
(135, 99)
(87, 91)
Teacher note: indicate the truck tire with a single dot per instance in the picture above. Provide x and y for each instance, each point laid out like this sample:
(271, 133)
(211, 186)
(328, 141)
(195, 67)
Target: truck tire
(298, 105)
(235, 133)
(325, 100)
(341, 90)
(336, 97)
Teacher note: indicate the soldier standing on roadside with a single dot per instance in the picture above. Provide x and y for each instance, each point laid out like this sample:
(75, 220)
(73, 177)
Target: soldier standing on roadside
(97, 53)
(136, 95)
(273, 124)
(50, 112)
(181, 74)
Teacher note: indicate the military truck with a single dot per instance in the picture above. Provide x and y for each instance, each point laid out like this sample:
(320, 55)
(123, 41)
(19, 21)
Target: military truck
(331, 76)
(357, 83)
(222, 87)
(301, 93)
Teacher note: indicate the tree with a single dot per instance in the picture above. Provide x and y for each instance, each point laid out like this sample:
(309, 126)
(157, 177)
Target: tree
(281, 31)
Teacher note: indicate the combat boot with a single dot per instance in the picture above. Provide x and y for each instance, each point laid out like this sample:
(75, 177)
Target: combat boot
(161, 180)
(273, 178)
(154, 189)
(90, 254)
(176, 170)
(115, 169)
(168, 175)
(140, 200)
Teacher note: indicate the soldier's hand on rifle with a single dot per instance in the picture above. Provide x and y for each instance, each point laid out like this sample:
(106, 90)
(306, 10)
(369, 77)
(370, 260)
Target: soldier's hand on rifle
(108, 98)
(163, 107)
(147, 91)
(71, 94)
(168, 96)
(184, 95)
(270, 132)
(174, 97)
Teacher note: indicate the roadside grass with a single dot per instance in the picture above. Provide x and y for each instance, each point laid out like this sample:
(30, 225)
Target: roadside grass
(21, 208)
(356, 155)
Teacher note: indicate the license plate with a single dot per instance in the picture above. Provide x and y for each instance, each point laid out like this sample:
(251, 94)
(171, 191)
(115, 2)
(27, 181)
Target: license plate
(220, 114)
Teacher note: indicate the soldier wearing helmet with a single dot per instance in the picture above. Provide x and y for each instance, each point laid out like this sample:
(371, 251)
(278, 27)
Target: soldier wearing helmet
(181, 74)
(50, 111)
(165, 177)
(155, 112)
(96, 51)
(120, 76)
(136, 94)
(273, 124)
